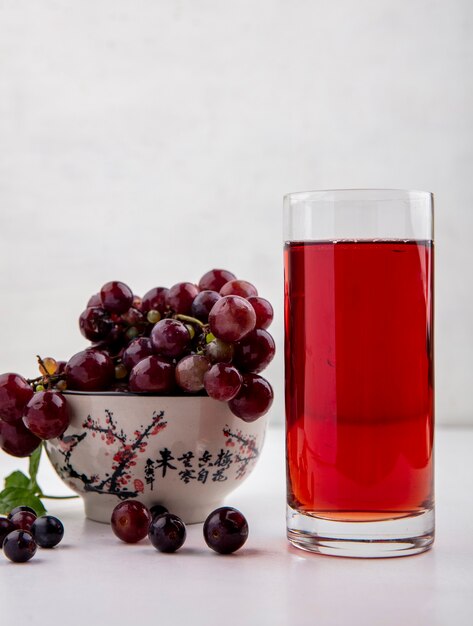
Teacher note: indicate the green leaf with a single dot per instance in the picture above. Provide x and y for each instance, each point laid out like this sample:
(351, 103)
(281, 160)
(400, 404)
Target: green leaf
(34, 464)
(18, 496)
(17, 479)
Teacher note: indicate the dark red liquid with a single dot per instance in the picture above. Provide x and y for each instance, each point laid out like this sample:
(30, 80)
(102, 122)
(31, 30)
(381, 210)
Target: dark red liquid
(359, 378)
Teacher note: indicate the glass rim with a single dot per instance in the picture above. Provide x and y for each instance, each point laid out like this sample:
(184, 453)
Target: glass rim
(335, 195)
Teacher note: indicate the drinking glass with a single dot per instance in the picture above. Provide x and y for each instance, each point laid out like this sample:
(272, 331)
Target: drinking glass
(359, 371)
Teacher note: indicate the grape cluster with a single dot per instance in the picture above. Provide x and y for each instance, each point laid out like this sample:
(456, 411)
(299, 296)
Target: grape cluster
(22, 532)
(208, 338)
(225, 529)
(31, 412)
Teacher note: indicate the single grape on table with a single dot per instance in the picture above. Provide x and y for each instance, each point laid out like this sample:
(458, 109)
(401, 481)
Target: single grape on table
(225, 530)
(130, 521)
(167, 532)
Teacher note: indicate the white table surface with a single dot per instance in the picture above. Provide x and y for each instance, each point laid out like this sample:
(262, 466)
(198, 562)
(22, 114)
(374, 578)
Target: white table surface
(93, 578)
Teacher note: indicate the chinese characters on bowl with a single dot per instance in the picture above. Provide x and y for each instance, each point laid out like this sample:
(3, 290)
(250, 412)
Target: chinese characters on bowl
(187, 453)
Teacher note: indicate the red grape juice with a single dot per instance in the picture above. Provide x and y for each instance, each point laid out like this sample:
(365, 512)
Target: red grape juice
(359, 378)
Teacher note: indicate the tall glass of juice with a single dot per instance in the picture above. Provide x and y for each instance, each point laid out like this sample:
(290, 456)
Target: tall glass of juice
(359, 371)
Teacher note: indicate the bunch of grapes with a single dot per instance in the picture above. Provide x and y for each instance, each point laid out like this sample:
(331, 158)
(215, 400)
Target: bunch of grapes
(205, 339)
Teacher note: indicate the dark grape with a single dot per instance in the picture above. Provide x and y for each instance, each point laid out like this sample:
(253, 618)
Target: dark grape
(6, 527)
(255, 351)
(222, 381)
(136, 351)
(17, 440)
(264, 311)
(203, 304)
(47, 415)
(254, 398)
(47, 531)
(23, 507)
(116, 297)
(181, 296)
(153, 375)
(219, 351)
(231, 318)
(130, 521)
(95, 324)
(19, 546)
(114, 342)
(155, 299)
(190, 372)
(15, 393)
(241, 288)
(23, 520)
(215, 279)
(170, 337)
(89, 370)
(167, 532)
(158, 509)
(225, 530)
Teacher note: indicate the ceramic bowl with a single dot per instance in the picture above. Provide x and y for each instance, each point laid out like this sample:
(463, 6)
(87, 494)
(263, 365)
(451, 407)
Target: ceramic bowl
(186, 453)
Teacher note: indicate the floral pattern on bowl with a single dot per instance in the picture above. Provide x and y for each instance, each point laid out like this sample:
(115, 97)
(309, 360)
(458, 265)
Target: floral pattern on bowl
(186, 453)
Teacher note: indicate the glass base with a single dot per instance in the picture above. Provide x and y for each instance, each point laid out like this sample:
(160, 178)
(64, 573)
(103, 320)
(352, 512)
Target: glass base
(373, 540)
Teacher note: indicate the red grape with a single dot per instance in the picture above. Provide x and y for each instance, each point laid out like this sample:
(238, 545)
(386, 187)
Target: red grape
(203, 304)
(94, 301)
(89, 370)
(155, 299)
(15, 394)
(181, 296)
(190, 372)
(238, 288)
(47, 415)
(116, 297)
(215, 279)
(60, 367)
(231, 318)
(137, 302)
(23, 520)
(133, 317)
(16, 439)
(254, 398)
(153, 375)
(255, 351)
(263, 309)
(170, 337)
(130, 521)
(136, 351)
(222, 381)
(95, 324)
(219, 351)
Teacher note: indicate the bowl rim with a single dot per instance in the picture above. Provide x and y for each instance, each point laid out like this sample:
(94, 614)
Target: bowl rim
(128, 394)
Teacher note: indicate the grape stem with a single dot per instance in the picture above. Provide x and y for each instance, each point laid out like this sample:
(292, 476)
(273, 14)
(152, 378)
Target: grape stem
(58, 497)
(190, 320)
(54, 378)
(47, 378)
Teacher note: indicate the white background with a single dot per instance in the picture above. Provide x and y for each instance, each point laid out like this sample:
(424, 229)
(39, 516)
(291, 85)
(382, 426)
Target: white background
(150, 141)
